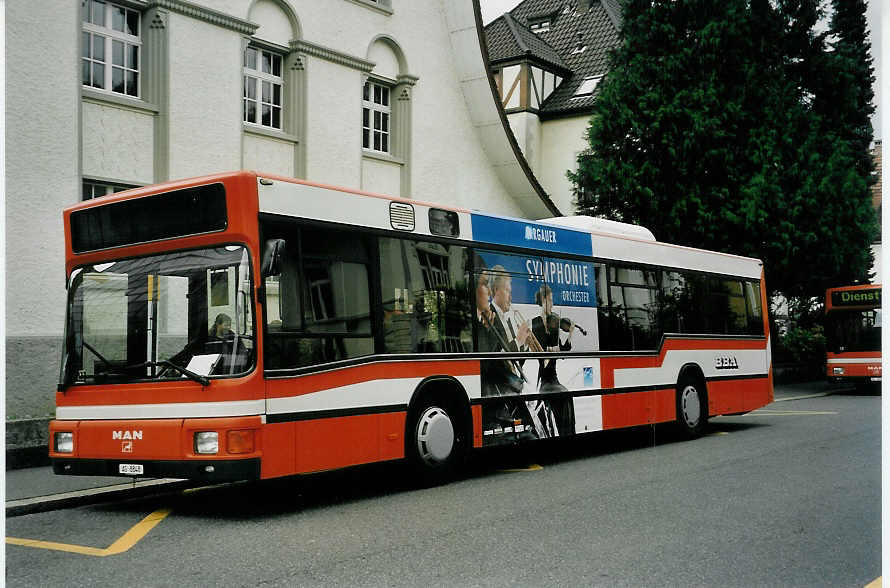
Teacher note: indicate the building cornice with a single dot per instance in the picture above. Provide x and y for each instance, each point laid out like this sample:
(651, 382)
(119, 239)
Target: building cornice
(387, 10)
(332, 55)
(208, 15)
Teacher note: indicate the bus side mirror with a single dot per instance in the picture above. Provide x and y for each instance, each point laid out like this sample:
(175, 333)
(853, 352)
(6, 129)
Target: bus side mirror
(272, 257)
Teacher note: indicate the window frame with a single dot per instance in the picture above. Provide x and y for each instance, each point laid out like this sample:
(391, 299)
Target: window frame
(259, 78)
(587, 87)
(105, 188)
(373, 107)
(540, 25)
(91, 30)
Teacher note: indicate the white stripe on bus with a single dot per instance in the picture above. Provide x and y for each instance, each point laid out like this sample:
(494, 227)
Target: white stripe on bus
(397, 391)
(178, 410)
(752, 362)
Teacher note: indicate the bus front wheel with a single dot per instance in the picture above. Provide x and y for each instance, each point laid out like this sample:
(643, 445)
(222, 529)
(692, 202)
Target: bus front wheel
(692, 406)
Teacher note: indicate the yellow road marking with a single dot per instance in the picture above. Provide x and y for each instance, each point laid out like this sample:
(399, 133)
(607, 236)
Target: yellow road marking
(532, 468)
(717, 433)
(128, 540)
(875, 583)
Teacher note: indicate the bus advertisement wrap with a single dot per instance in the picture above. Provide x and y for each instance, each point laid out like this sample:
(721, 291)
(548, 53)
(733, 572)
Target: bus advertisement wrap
(529, 304)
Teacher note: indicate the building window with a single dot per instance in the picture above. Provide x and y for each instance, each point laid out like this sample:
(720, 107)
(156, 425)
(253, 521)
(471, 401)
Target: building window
(587, 86)
(110, 49)
(376, 117)
(96, 189)
(263, 84)
(539, 26)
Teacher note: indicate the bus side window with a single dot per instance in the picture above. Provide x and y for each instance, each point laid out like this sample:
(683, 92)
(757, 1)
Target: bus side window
(754, 308)
(318, 309)
(631, 318)
(425, 299)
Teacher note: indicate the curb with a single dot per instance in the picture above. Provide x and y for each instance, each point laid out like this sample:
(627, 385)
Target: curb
(26, 506)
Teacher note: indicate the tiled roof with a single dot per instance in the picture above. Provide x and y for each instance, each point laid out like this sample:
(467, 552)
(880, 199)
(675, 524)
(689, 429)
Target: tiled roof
(508, 40)
(597, 29)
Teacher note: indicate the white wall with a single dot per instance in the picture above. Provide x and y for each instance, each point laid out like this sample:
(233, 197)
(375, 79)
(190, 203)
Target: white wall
(269, 155)
(205, 92)
(561, 141)
(334, 118)
(527, 129)
(42, 176)
(118, 143)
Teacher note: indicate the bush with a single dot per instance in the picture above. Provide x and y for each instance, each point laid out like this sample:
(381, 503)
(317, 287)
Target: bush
(804, 347)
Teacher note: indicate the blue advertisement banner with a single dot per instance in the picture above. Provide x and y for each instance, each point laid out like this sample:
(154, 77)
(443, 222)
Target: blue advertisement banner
(518, 233)
(573, 282)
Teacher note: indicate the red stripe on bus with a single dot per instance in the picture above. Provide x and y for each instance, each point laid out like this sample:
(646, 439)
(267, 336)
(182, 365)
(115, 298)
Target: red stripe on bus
(306, 384)
(876, 355)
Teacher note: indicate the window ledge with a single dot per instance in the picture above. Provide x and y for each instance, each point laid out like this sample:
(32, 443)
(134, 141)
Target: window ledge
(382, 157)
(268, 133)
(108, 98)
(378, 7)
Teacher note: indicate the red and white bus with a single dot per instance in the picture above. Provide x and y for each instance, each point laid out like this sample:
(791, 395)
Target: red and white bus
(853, 334)
(242, 325)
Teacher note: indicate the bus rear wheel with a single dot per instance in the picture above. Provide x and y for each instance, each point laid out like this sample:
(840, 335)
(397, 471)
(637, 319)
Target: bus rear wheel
(692, 406)
(435, 444)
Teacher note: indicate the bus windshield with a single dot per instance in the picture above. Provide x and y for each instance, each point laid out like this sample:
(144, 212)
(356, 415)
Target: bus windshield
(854, 330)
(185, 314)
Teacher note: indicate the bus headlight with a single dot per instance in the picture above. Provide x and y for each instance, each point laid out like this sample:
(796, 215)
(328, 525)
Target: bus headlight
(207, 442)
(838, 371)
(63, 442)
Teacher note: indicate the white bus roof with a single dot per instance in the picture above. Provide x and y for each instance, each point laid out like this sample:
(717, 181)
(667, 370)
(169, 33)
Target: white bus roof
(585, 236)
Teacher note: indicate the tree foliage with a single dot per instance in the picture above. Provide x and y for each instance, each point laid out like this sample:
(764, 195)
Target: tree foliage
(714, 129)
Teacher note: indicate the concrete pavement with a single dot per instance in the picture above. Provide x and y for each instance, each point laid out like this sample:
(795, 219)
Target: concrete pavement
(37, 489)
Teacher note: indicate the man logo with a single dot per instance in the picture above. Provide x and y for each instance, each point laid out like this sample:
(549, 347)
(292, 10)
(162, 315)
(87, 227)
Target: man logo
(126, 434)
(126, 447)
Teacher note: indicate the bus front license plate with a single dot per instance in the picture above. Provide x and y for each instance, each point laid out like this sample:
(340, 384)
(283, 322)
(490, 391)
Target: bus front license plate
(131, 469)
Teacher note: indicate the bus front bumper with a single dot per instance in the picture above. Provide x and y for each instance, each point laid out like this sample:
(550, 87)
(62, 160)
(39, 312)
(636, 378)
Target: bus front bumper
(208, 470)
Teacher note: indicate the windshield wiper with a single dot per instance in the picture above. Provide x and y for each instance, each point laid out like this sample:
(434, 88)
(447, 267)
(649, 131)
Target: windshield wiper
(126, 370)
(112, 369)
(204, 381)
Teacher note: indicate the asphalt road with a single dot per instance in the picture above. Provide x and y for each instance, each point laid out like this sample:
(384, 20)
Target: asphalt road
(785, 496)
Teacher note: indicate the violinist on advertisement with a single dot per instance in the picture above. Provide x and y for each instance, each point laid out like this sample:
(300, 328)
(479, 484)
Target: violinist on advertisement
(546, 329)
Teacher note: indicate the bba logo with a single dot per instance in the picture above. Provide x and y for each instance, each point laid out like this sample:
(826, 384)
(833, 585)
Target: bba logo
(726, 362)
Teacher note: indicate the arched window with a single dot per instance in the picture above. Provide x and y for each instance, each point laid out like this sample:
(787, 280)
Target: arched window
(386, 108)
(273, 79)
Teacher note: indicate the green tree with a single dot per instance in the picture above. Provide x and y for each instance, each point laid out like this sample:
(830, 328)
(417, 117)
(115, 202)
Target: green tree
(848, 99)
(706, 132)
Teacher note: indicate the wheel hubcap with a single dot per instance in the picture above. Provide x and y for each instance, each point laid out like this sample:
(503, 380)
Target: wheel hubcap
(435, 436)
(691, 405)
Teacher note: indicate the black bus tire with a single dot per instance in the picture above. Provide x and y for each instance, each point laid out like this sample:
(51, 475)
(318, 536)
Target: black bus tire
(692, 406)
(435, 443)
